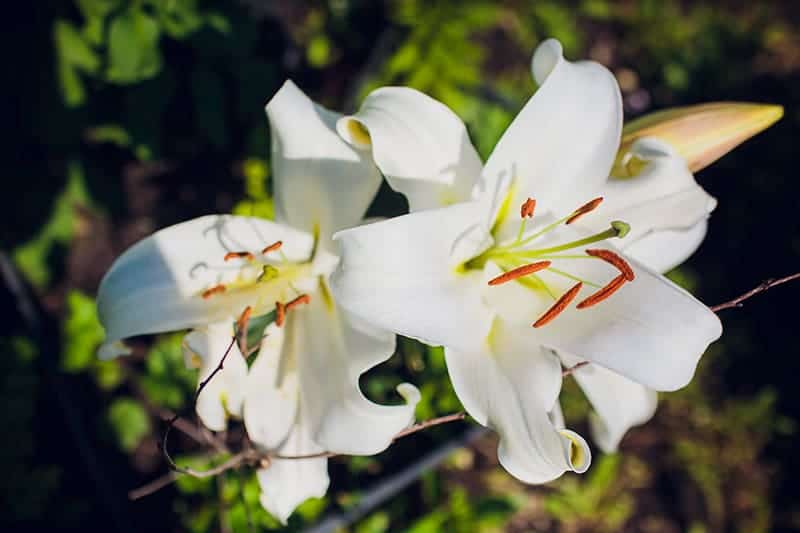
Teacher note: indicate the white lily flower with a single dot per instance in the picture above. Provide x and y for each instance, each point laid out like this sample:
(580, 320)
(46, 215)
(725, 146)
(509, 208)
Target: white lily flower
(423, 150)
(301, 395)
(473, 278)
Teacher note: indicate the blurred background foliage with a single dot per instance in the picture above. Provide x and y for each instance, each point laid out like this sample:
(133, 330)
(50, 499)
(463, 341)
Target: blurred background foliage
(129, 115)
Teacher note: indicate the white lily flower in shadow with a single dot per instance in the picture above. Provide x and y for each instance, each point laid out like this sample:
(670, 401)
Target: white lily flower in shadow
(301, 396)
(475, 278)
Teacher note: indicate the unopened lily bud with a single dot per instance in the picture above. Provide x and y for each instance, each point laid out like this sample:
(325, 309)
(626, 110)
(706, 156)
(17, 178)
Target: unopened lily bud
(701, 134)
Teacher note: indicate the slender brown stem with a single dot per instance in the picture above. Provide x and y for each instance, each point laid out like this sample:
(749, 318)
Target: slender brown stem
(253, 457)
(175, 418)
(154, 486)
(763, 286)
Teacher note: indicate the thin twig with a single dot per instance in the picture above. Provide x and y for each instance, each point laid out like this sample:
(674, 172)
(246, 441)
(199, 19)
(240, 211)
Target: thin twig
(252, 456)
(175, 418)
(429, 424)
(763, 286)
(154, 486)
(404, 433)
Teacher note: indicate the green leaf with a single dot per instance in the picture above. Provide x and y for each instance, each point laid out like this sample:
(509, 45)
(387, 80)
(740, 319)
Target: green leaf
(74, 54)
(129, 421)
(133, 53)
(73, 49)
(82, 332)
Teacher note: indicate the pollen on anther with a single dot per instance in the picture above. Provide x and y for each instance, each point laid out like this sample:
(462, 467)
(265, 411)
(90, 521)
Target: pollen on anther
(527, 208)
(280, 314)
(244, 320)
(216, 289)
(272, 247)
(604, 293)
(239, 255)
(302, 299)
(558, 307)
(518, 272)
(588, 207)
(614, 259)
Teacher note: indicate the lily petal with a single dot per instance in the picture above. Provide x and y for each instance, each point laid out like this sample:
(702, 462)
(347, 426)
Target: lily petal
(271, 394)
(664, 250)
(332, 350)
(650, 331)
(499, 387)
(320, 181)
(663, 195)
(223, 394)
(287, 483)
(156, 285)
(403, 275)
(419, 144)
(618, 402)
(565, 139)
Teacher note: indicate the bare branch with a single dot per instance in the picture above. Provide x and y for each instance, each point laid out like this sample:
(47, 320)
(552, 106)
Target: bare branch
(404, 433)
(154, 486)
(763, 286)
(175, 418)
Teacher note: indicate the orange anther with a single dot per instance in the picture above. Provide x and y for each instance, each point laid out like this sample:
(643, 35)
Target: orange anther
(614, 259)
(216, 289)
(280, 314)
(527, 208)
(272, 247)
(612, 287)
(585, 208)
(518, 272)
(559, 306)
(244, 320)
(239, 255)
(302, 299)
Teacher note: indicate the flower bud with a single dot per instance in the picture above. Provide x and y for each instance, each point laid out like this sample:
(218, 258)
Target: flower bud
(701, 134)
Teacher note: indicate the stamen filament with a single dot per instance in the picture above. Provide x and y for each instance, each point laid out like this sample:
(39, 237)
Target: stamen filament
(614, 259)
(613, 286)
(518, 272)
(570, 276)
(216, 289)
(272, 247)
(558, 307)
(588, 207)
(239, 255)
